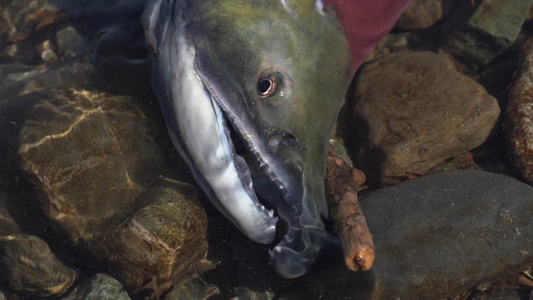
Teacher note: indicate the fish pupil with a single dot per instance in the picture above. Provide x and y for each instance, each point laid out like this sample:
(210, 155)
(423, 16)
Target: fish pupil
(265, 87)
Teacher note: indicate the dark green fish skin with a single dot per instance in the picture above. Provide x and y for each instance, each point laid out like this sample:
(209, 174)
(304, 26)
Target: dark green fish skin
(233, 47)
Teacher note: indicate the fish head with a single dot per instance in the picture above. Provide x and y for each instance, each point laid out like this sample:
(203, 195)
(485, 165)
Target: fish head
(280, 71)
(274, 75)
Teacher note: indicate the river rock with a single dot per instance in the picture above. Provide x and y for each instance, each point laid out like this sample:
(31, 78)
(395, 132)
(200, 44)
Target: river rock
(59, 76)
(161, 244)
(97, 162)
(69, 42)
(24, 24)
(15, 22)
(413, 110)
(192, 289)
(98, 287)
(504, 295)
(420, 14)
(492, 28)
(8, 226)
(519, 116)
(28, 266)
(438, 236)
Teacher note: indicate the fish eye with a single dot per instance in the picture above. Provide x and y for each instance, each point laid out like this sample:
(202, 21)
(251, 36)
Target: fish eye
(266, 86)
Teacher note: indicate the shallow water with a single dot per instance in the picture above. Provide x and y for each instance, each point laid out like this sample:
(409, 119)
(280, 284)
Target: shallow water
(36, 59)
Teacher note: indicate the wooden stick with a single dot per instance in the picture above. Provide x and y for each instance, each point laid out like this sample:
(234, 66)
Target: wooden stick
(341, 193)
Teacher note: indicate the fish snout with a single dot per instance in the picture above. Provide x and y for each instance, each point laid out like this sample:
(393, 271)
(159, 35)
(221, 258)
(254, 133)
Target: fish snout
(298, 251)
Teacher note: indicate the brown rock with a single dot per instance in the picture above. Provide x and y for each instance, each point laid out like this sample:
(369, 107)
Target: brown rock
(28, 266)
(163, 243)
(519, 116)
(413, 110)
(95, 160)
(78, 148)
(420, 14)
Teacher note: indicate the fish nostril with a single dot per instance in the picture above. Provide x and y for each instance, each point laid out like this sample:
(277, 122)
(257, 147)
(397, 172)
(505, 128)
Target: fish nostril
(289, 140)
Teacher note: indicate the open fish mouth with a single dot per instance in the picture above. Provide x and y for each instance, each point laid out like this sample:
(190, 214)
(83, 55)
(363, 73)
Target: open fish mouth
(278, 187)
(253, 171)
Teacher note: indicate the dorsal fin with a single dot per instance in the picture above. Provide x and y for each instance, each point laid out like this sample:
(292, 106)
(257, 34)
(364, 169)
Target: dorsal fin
(365, 22)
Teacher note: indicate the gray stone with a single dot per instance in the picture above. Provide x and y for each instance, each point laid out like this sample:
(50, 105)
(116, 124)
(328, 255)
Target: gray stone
(69, 42)
(98, 287)
(519, 116)
(192, 289)
(245, 294)
(28, 266)
(13, 67)
(492, 28)
(503, 295)
(438, 236)
(413, 110)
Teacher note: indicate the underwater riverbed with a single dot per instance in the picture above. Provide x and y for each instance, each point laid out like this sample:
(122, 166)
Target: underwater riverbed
(95, 202)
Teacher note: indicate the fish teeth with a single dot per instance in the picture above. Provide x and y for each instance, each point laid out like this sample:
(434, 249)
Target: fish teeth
(271, 253)
(288, 238)
(271, 213)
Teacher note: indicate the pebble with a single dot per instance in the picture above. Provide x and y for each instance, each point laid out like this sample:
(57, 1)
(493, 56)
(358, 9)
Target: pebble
(28, 266)
(438, 236)
(504, 295)
(492, 28)
(20, 80)
(192, 289)
(420, 14)
(98, 287)
(413, 110)
(519, 116)
(69, 42)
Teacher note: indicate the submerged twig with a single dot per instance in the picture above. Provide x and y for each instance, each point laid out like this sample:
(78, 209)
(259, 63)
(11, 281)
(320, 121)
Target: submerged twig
(342, 182)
